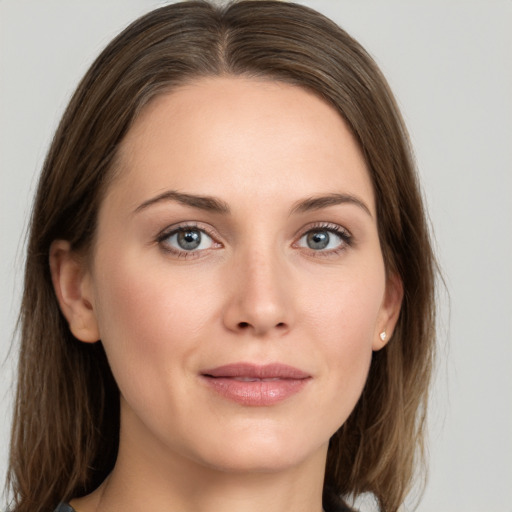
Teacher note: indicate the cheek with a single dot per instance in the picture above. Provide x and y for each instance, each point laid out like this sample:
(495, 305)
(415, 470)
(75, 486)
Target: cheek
(155, 325)
(347, 306)
(344, 326)
(151, 323)
(139, 293)
(148, 320)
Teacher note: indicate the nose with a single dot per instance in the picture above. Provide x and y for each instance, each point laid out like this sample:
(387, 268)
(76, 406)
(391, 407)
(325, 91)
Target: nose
(260, 296)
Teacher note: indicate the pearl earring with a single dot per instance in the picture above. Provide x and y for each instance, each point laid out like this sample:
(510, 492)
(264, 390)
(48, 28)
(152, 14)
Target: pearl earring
(383, 335)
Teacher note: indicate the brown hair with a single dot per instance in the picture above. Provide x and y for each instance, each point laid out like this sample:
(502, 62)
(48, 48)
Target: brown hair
(66, 419)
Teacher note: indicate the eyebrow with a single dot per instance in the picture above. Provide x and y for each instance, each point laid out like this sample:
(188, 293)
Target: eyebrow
(207, 203)
(319, 202)
(215, 205)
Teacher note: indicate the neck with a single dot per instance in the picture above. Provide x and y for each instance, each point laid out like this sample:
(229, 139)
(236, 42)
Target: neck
(149, 476)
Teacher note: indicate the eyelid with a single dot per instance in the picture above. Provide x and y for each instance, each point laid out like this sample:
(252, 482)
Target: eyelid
(327, 226)
(342, 232)
(183, 226)
(173, 228)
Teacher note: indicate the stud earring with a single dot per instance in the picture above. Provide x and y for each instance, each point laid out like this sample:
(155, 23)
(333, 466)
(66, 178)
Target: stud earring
(383, 335)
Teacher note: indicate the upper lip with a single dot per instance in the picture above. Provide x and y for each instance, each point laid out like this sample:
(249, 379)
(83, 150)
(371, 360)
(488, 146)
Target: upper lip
(255, 371)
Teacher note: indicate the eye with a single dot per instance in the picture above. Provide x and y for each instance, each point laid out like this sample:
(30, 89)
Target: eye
(186, 239)
(326, 239)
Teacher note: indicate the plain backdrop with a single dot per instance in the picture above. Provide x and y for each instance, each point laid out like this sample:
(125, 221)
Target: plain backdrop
(449, 64)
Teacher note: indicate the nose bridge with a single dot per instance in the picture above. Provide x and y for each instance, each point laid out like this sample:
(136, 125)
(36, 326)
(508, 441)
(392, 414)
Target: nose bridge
(261, 298)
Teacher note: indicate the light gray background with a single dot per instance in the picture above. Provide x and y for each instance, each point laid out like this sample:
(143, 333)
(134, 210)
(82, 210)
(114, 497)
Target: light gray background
(449, 64)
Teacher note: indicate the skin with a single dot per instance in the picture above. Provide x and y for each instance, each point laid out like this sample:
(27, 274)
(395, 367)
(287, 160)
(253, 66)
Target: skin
(254, 291)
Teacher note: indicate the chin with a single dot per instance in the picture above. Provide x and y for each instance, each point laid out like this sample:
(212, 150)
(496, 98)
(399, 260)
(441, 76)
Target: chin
(263, 452)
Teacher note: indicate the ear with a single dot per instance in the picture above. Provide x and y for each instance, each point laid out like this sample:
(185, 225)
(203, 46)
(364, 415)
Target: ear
(389, 312)
(73, 287)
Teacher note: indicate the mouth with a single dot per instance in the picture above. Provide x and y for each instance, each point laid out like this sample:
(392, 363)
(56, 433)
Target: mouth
(256, 385)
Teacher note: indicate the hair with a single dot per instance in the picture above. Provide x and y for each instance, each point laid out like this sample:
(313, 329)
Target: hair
(66, 419)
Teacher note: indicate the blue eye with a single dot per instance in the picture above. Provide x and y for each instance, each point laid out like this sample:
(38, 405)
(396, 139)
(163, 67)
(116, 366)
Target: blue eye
(187, 239)
(325, 239)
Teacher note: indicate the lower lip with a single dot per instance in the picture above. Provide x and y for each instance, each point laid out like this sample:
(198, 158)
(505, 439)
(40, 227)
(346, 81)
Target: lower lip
(256, 393)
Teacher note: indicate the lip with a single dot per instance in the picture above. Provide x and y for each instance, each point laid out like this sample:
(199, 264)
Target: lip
(256, 385)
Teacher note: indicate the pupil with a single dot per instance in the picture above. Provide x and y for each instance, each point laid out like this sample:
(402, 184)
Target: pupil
(318, 240)
(189, 240)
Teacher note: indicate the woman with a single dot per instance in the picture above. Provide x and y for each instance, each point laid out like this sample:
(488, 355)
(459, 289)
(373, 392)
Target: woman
(229, 285)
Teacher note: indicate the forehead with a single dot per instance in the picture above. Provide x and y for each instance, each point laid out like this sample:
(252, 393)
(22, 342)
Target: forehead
(228, 135)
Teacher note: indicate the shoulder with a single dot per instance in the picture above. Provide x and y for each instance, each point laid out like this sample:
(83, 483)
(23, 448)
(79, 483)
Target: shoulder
(64, 507)
(333, 505)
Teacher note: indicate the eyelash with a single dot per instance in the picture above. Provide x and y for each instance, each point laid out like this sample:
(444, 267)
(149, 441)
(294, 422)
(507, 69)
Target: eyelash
(344, 235)
(167, 233)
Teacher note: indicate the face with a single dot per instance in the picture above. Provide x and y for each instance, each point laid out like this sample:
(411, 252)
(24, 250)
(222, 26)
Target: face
(237, 281)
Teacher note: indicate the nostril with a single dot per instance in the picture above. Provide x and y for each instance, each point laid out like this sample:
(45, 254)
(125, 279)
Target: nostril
(247, 325)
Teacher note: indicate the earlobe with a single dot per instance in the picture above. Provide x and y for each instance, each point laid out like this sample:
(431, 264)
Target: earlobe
(390, 311)
(71, 282)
